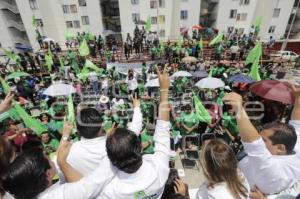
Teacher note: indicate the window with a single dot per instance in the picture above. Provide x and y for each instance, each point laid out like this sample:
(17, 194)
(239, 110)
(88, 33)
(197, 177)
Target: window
(33, 5)
(134, 2)
(85, 20)
(232, 14)
(276, 12)
(69, 24)
(244, 2)
(66, 9)
(76, 24)
(82, 2)
(153, 20)
(241, 17)
(271, 29)
(161, 3)
(153, 4)
(230, 29)
(135, 17)
(162, 33)
(183, 14)
(73, 8)
(161, 19)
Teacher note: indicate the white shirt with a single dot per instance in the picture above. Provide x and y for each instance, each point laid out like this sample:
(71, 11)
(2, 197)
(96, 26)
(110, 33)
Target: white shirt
(151, 177)
(87, 187)
(86, 154)
(271, 173)
(219, 191)
(104, 83)
(132, 84)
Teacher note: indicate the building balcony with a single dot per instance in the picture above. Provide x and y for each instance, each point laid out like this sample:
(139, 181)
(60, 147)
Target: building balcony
(17, 25)
(20, 40)
(8, 6)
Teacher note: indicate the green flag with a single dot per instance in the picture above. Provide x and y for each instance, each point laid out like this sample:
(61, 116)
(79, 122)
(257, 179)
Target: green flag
(255, 53)
(30, 122)
(69, 35)
(258, 21)
(11, 55)
(49, 62)
(84, 49)
(5, 86)
(201, 44)
(90, 36)
(148, 24)
(90, 65)
(34, 21)
(210, 74)
(254, 73)
(217, 39)
(201, 112)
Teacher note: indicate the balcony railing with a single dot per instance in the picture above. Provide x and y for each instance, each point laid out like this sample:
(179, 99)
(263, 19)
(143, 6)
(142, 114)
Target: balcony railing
(11, 7)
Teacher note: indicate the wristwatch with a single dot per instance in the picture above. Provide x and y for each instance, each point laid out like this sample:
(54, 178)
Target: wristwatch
(65, 138)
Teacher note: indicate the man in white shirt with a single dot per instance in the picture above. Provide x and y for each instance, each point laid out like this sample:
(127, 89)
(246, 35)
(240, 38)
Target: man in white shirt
(86, 154)
(141, 176)
(273, 158)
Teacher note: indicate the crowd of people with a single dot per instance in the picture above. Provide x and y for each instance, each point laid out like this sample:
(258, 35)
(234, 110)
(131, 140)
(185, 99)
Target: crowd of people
(128, 128)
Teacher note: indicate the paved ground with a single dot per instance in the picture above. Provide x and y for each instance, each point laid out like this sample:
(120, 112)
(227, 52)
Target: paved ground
(193, 177)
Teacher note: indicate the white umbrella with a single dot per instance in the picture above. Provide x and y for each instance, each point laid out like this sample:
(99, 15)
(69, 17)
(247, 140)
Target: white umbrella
(153, 83)
(181, 74)
(59, 89)
(48, 40)
(210, 82)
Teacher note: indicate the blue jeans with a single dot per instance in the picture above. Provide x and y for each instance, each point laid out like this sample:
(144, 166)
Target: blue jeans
(95, 86)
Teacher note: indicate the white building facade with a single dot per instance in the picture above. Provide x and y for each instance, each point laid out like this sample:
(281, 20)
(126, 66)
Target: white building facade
(242, 14)
(121, 16)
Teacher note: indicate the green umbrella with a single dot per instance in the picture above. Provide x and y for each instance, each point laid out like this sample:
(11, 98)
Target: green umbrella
(17, 75)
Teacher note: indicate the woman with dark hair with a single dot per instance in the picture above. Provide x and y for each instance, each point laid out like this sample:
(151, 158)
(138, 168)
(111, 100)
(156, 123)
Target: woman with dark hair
(7, 155)
(223, 178)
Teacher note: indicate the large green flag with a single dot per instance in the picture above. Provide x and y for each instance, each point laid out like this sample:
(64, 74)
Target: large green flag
(34, 21)
(90, 65)
(217, 39)
(5, 86)
(148, 24)
(84, 49)
(256, 52)
(90, 36)
(201, 112)
(254, 73)
(258, 21)
(30, 122)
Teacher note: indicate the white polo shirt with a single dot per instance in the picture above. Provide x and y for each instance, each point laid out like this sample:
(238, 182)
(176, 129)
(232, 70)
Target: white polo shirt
(150, 179)
(271, 173)
(86, 154)
(87, 188)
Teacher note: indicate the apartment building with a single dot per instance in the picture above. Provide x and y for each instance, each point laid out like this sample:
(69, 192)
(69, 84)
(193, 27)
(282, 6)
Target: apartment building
(119, 17)
(242, 14)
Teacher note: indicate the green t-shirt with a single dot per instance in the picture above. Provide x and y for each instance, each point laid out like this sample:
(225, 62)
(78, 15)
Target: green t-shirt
(52, 145)
(229, 122)
(189, 120)
(145, 137)
(121, 120)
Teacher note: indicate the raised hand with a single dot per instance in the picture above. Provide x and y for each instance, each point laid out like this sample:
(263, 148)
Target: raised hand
(234, 100)
(67, 128)
(135, 101)
(164, 80)
(180, 187)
